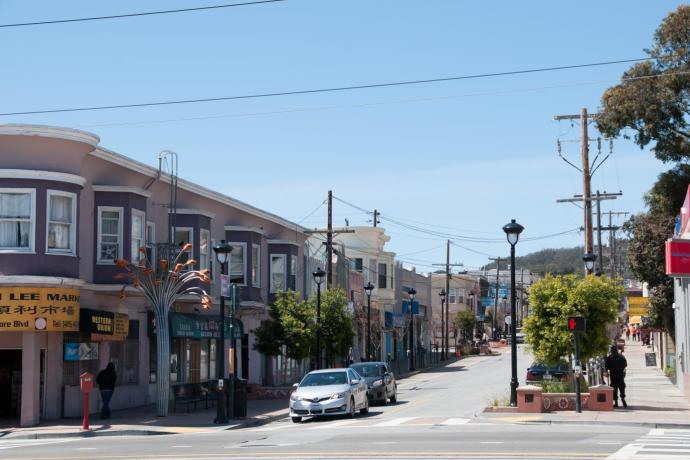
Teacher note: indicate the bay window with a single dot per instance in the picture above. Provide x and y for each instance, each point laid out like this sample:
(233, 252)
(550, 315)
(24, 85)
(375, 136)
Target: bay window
(109, 234)
(238, 264)
(17, 219)
(278, 281)
(205, 250)
(256, 265)
(62, 216)
(138, 237)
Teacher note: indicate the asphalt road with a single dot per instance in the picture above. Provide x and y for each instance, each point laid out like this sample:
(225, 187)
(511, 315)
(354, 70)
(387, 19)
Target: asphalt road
(435, 417)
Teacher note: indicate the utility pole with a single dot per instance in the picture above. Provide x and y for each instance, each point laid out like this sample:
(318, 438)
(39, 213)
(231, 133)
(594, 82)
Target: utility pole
(612, 239)
(493, 317)
(444, 323)
(376, 217)
(601, 259)
(329, 239)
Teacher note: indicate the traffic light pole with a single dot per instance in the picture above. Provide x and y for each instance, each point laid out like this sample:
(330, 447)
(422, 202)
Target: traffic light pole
(578, 407)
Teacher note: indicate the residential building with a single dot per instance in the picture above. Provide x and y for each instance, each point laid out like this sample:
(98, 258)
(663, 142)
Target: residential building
(422, 314)
(458, 298)
(68, 209)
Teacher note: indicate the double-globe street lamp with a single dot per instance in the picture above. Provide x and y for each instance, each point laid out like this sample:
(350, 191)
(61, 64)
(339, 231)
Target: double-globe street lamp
(368, 288)
(318, 275)
(442, 295)
(411, 293)
(513, 230)
(222, 251)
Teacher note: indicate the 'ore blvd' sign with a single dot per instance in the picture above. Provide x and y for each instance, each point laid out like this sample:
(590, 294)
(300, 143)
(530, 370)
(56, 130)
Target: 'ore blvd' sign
(39, 309)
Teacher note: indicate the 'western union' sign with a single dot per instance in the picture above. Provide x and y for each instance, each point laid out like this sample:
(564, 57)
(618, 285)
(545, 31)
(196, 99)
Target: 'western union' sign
(39, 309)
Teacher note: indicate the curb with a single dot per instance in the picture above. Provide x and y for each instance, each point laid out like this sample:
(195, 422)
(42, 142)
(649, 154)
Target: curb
(258, 421)
(87, 434)
(603, 422)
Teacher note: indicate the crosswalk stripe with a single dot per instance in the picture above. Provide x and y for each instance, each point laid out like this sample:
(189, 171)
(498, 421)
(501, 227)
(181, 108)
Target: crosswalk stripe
(396, 421)
(658, 444)
(455, 421)
(334, 424)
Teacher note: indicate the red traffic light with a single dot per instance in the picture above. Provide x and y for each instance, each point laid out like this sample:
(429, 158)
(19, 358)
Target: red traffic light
(576, 323)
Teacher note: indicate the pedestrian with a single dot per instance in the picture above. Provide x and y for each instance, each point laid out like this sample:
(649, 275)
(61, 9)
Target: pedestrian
(106, 384)
(639, 334)
(633, 332)
(615, 365)
(627, 333)
(485, 338)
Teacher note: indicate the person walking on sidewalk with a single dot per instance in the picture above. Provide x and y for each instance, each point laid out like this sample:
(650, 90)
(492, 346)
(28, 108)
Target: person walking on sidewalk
(615, 365)
(106, 384)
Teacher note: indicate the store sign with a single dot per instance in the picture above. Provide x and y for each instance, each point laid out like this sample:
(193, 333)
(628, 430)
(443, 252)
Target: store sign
(97, 321)
(120, 330)
(39, 309)
(678, 258)
(638, 306)
(201, 327)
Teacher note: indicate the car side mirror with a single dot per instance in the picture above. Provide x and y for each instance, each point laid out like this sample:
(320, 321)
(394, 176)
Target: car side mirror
(354, 381)
(295, 385)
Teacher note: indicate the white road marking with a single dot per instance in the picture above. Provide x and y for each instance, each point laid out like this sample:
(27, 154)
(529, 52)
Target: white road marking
(86, 448)
(395, 421)
(491, 442)
(180, 447)
(337, 424)
(455, 421)
(658, 444)
(14, 443)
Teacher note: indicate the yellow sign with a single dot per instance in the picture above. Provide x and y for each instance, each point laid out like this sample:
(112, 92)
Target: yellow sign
(39, 309)
(120, 330)
(638, 306)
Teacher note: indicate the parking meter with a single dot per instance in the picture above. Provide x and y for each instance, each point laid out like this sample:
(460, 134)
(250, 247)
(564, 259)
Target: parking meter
(86, 386)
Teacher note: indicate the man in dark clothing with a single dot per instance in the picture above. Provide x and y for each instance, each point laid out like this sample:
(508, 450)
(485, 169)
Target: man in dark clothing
(616, 364)
(106, 383)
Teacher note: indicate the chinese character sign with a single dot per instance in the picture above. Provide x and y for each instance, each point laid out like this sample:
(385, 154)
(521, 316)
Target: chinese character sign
(39, 309)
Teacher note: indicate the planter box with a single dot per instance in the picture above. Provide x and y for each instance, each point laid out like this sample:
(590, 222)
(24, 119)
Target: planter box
(562, 401)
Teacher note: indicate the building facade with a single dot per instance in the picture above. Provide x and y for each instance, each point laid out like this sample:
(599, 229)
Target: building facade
(68, 209)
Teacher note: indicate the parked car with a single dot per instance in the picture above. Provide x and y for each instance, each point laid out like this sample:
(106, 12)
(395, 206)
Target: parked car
(380, 379)
(329, 392)
(539, 372)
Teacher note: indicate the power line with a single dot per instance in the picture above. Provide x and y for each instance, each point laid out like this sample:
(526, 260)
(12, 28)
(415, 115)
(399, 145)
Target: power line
(132, 15)
(320, 90)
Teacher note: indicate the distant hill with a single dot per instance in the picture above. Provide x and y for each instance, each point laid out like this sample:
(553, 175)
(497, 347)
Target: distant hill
(560, 261)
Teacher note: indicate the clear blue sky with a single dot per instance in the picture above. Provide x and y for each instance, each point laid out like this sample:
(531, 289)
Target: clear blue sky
(467, 155)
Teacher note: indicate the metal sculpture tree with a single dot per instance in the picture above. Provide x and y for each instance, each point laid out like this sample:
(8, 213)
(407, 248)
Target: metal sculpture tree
(162, 285)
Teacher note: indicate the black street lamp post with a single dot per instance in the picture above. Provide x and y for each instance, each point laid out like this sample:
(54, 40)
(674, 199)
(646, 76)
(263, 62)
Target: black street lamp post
(368, 288)
(222, 251)
(442, 295)
(589, 260)
(411, 293)
(513, 231)
(318, 277)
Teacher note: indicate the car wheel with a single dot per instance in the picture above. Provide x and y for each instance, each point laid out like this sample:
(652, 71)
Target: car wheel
(352, 407)
(296, 419)
(394, 396)
(365, 409)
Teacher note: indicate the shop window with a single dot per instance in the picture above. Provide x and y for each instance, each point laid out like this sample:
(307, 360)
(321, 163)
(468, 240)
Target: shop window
(125, 356)
(71, 370)
(175, 361)
(153, 360)
(109, 234)
(278, 273)
(256, 265)
(203, 360)
(213, 370)
(62, 215)
(17, 219)
(238, 264)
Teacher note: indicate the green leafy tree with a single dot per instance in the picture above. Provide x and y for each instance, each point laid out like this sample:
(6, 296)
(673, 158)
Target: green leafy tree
(653, 97)
(337, 331)
(554, 298)
(464, 324)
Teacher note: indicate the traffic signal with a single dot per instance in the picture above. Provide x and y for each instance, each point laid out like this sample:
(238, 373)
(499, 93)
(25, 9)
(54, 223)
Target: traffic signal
(576, 323)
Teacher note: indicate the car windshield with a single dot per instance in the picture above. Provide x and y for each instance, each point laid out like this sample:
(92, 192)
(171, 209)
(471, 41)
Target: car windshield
(324, 378)
(368, 370)
(563, 365)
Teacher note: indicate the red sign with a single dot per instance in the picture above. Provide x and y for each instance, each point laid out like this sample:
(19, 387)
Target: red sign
(86, 382)
(678, 257)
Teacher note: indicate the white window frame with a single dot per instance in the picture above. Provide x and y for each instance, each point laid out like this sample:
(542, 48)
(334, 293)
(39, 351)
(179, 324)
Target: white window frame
(151, 231)
(72, 251)
(244, 260)
(32, 227)
(121, 211)
(452, 294)
(270, 267)
(293, 271)
(209, 249)
(256, 261)
(141, 214)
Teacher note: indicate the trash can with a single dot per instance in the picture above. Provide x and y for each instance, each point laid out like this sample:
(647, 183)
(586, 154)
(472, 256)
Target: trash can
(240, 398)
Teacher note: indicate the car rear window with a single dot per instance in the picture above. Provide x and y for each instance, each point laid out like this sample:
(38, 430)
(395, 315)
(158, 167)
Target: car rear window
(368, 370)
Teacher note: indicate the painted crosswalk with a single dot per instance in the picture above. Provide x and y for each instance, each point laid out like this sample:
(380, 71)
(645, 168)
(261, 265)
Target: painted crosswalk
(373, 422)
(658, 444)
(16, 443)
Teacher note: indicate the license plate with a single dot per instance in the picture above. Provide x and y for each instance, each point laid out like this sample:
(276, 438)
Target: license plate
(548, 376)
(315, 407)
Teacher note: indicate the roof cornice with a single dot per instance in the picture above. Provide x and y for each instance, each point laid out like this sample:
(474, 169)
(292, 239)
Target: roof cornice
(53, 132)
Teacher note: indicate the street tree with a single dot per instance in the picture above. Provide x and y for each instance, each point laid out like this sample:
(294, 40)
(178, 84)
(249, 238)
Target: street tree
(464, 324)
(554, 298)
(337, 331)
(653, 97)
(162, 284)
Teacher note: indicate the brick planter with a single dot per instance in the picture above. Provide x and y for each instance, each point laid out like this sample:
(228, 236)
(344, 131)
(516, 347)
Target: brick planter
(529, 399)
(600, 398)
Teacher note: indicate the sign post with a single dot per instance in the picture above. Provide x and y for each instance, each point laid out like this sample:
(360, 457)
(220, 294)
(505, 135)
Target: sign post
(86, 386)
(576, 324)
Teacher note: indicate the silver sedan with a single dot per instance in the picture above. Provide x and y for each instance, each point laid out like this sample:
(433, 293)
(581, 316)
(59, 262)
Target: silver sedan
(329, 392)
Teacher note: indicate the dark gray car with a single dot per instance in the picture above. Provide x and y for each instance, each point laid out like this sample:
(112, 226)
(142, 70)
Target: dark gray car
(380, 379)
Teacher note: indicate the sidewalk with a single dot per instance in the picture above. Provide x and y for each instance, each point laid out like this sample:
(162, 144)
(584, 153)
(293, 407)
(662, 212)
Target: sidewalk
(653, 400)
(142, 421)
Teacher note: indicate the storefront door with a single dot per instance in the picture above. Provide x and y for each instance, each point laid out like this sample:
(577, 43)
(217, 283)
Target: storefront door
(195, 361)
(10, 383)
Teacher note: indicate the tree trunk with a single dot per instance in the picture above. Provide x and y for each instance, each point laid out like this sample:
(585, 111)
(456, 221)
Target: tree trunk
(163, 367)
